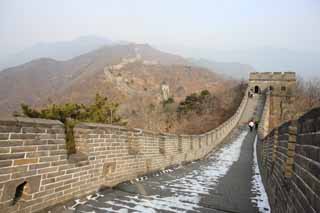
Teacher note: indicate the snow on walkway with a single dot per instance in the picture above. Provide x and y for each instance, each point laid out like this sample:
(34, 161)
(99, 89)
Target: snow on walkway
(186, 192)
(261, 198)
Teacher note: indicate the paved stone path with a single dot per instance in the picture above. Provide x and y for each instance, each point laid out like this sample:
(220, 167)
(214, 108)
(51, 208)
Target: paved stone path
(221, 183)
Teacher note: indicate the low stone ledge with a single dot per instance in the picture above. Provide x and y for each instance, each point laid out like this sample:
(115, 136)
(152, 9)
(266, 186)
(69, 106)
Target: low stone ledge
(8, 120)
(87, 125)
(19, 121)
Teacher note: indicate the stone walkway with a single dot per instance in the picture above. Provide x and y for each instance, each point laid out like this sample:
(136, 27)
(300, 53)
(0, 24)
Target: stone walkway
(221, 183)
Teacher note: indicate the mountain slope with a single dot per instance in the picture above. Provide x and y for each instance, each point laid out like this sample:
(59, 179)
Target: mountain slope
(122, 72)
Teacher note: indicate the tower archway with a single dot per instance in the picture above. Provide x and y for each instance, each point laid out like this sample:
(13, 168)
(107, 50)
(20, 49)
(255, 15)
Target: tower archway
(256, 89)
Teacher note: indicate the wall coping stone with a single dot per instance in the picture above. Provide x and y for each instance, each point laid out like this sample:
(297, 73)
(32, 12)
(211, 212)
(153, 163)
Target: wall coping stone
(29, 121)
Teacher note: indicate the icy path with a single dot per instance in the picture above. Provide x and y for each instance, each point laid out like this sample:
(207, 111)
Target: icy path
(228, 181)
(184, 194)
(261, 198)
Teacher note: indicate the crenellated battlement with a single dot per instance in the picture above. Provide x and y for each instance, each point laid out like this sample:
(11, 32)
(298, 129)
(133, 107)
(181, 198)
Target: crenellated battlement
(280, 83)
(272, 76)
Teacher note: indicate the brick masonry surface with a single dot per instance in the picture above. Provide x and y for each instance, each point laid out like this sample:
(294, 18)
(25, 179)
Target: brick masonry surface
(33, 157)
(290, 163)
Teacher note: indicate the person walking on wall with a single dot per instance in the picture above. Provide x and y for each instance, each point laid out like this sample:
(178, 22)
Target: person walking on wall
(251, 125)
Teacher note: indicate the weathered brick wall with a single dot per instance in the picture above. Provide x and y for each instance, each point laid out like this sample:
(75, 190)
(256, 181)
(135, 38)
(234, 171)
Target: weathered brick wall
(290, 159)
(32, 151)
(33, 155)
(264, 122)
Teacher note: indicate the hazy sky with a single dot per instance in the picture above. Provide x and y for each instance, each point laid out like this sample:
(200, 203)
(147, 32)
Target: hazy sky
(219, 24)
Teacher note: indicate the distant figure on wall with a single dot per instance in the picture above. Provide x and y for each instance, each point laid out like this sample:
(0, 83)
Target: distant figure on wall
(251, 125)
(256, 124)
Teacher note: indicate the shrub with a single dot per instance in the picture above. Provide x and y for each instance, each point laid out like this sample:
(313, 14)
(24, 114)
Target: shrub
(101, 111)
(170, 100)
(195, 103)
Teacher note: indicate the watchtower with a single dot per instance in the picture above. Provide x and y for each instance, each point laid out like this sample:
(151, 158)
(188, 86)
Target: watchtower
(276, 82)
(282, 88)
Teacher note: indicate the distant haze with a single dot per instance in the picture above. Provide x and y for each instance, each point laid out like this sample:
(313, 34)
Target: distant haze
(268, 35)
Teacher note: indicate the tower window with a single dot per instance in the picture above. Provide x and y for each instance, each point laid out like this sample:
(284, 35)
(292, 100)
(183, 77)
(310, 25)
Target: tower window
(283, 88)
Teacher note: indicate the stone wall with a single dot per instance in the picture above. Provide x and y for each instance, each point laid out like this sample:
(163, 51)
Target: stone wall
(290, 163)
(263, 129)
(281, 87)
(36, 172)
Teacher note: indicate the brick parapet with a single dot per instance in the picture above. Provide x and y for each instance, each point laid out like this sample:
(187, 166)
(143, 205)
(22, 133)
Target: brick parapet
(292, 180)
(33, 151)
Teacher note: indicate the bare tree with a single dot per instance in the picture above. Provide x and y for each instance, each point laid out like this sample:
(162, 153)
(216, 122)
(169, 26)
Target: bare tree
(313, 93)
(307, 95)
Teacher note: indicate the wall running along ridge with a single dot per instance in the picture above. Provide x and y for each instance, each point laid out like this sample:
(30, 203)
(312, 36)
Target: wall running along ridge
(33, 157)
(289, 158)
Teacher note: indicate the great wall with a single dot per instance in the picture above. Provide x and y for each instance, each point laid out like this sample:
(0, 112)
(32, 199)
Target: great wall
(34, 160)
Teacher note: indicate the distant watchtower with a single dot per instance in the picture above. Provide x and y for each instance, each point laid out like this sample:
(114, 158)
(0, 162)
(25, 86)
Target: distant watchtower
(282, 89)
(276, 82)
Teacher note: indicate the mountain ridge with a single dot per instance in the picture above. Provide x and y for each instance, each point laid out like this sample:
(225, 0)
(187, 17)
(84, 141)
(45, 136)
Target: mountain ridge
(60, 50)
(79, 78)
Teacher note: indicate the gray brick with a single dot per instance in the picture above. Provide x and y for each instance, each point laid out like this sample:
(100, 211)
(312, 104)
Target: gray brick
(5, 163)
(48, 181)
(39, 166)
(55, 174)
(59, 163)
(61, 136)
(23, 136)
(57, 141)
(11, 156)
(13, 169)
(23, 149)
(58, 152)
(4, 136)
(63, 178)
(49, 159)
(47, 136)
(37, 154)
(4, 149)
(4, 178)
(47, 170)
(33, 130)
(35, 142)
(23, 174)
(48, 147)
(56, 131)
(6, 129)
(62, 188)
(52, 186)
